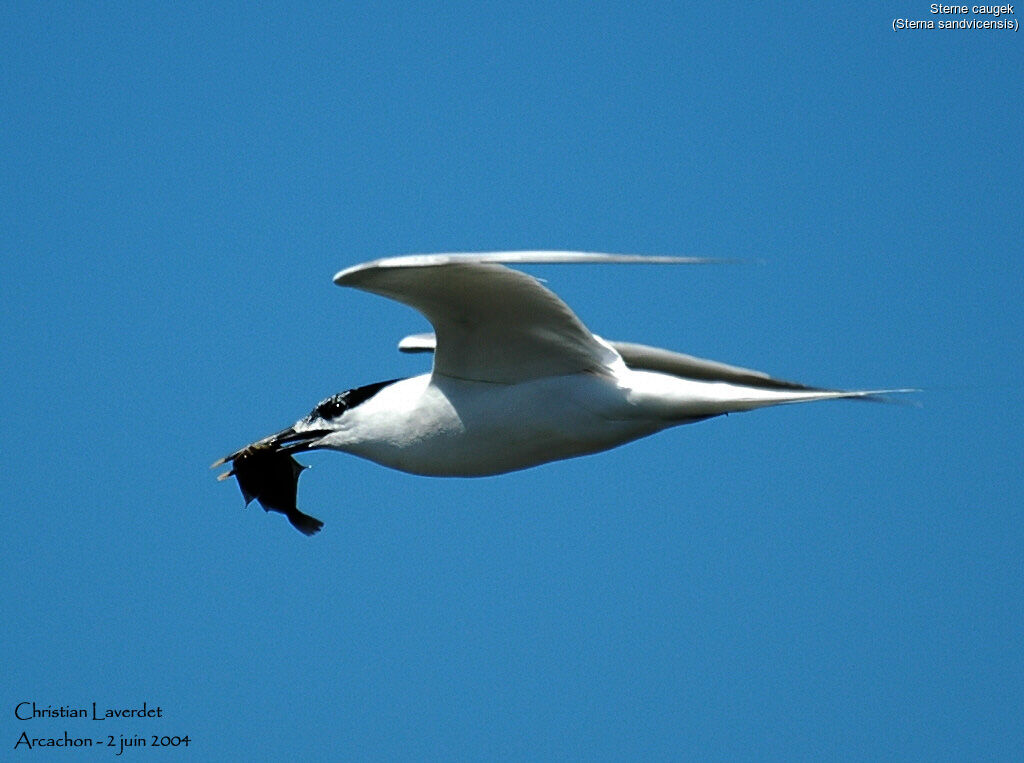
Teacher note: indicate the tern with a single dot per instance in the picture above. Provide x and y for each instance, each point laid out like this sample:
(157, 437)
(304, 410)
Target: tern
(517, 380)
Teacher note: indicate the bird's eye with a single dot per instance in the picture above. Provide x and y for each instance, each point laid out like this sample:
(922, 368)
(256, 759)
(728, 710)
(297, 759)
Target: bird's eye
(330, 408)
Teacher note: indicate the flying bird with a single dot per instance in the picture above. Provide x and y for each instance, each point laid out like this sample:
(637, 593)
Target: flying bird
(517, 381)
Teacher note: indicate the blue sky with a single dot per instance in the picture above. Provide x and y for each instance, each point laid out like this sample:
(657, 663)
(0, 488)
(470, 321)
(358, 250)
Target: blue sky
(835, 580)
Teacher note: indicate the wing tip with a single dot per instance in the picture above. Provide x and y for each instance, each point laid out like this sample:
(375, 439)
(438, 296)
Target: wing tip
(417, 343)
(891, 396)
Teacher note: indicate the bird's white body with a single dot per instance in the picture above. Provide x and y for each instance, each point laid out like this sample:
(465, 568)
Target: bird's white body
(517, 381)
(452, 427)
(445, 427)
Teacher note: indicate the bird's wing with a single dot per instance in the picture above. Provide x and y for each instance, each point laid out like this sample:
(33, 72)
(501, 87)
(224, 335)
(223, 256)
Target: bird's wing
(493, 324)
(646, 358)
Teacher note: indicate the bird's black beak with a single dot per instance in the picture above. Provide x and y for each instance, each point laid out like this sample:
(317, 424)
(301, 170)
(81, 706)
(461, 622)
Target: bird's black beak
(266, 471)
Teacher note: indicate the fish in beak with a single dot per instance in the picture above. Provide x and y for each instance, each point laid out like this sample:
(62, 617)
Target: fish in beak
(267, 471)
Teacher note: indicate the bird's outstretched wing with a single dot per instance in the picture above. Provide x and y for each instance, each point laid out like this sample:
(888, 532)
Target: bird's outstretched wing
(494, 324)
